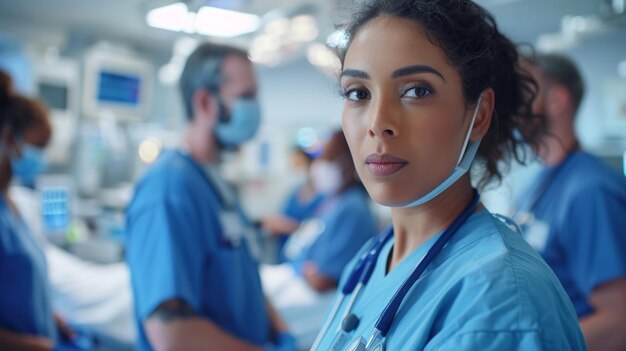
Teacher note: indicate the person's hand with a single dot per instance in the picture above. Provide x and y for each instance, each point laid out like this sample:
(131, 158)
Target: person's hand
(276, 225)
(309, 270)
(284, 342)
(66, 332)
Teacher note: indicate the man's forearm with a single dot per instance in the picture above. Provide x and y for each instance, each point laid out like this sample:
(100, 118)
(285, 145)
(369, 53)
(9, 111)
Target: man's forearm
(604, 331)
(10, 340)
(174, 326)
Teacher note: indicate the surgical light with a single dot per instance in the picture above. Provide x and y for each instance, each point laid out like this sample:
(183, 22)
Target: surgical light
(171, 17)
(225, 23)
(320, 56)
(208, 20)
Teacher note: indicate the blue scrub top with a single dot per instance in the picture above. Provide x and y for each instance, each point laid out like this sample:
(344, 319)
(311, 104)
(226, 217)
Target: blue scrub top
(486, 290)
(25, 302)
(298, 210)
(348, 224)
(176, 250)
(580, 226)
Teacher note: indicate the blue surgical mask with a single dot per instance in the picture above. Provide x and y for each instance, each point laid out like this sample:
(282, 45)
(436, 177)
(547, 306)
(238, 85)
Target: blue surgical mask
(244, 121)
(468, 152)
(30, 164)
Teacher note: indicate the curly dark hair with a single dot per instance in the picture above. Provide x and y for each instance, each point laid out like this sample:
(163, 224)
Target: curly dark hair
(484, 57)
(19, 112)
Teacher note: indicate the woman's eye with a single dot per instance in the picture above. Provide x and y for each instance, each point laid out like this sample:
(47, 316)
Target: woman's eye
(417, 92)
(356, 94)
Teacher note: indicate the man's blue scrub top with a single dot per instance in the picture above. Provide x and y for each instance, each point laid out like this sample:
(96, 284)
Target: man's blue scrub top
(486, 290)
(348, 224)
(580, 225)
(25, 302)
(176, 250)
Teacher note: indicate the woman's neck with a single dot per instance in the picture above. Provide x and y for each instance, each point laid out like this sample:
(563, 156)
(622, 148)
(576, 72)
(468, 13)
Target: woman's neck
(415, 225)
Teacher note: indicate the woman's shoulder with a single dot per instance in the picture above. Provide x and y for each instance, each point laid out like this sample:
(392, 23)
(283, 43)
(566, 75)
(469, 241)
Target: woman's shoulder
(493, 266)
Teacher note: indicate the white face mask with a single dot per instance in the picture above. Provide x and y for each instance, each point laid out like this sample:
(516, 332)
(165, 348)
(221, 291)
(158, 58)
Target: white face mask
(299, 176)
(326, 177)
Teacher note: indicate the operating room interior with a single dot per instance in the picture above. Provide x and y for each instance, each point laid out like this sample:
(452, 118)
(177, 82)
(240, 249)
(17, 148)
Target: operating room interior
(108, 73)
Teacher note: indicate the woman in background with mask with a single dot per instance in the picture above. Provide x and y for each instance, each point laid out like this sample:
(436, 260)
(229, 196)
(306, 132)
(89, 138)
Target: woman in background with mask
(26, 318)
(428, 85)
(301, 204)
(345, 219)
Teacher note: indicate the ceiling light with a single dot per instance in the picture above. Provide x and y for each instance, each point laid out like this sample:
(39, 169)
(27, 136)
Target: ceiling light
(225, 23)
(304, 28)
(320, 56)
(338, 39)
(170, 17)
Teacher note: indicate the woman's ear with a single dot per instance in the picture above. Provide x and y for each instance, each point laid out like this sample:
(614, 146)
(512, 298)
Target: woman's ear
(484, 115)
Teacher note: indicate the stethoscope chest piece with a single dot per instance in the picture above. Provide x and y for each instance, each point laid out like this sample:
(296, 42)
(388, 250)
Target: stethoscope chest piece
(359, 344)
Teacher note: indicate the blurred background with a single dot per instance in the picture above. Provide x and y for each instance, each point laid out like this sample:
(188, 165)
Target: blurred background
(108, 72)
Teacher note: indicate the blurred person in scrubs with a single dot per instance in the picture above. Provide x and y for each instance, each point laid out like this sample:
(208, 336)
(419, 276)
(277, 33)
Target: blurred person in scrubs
(345, 220)
(301, 203)
(575, 213)
(428, 86)
(302, 288)
(196, 285)
(27, 321)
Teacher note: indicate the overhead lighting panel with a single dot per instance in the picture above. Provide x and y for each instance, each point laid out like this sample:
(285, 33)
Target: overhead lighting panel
(225, 23)
(208, 20)
(170, 17)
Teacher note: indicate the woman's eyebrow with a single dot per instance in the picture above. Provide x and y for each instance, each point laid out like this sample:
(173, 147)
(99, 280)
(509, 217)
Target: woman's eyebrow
(408, 70)
(354, 73)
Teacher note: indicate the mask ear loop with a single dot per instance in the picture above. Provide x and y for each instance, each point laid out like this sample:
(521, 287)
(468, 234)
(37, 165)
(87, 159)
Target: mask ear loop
(467, 137)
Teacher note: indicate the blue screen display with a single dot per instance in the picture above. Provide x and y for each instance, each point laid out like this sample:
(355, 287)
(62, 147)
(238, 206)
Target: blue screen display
(55, 205)
(119, 88)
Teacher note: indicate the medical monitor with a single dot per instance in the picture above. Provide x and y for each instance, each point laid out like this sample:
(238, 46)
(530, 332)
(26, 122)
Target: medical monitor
(54, 95)
(57, 81)
(118, 84)
(117, 88)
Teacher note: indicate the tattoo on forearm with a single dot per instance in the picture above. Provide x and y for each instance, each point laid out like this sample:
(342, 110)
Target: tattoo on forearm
(171, 310)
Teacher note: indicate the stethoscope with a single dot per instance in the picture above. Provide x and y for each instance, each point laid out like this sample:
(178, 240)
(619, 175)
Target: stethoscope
(361, 274)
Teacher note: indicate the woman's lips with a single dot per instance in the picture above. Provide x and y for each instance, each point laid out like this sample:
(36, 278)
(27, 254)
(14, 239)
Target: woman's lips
(384, 165)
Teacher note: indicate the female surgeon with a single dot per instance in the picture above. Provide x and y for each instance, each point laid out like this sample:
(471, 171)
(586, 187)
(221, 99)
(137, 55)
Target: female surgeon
(26, 318)
(429, 85)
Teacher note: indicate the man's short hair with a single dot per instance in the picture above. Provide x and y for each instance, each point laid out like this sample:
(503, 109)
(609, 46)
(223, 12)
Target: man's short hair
(561, 70)
(203, 71)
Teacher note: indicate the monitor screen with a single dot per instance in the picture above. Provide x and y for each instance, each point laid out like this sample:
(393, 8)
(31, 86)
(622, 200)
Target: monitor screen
(53, 95)
(119, 88)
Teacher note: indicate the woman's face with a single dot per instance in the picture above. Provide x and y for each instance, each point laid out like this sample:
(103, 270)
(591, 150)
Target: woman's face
(404, 114)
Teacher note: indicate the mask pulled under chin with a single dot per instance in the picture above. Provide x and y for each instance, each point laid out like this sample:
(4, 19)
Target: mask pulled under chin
(466, 157)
